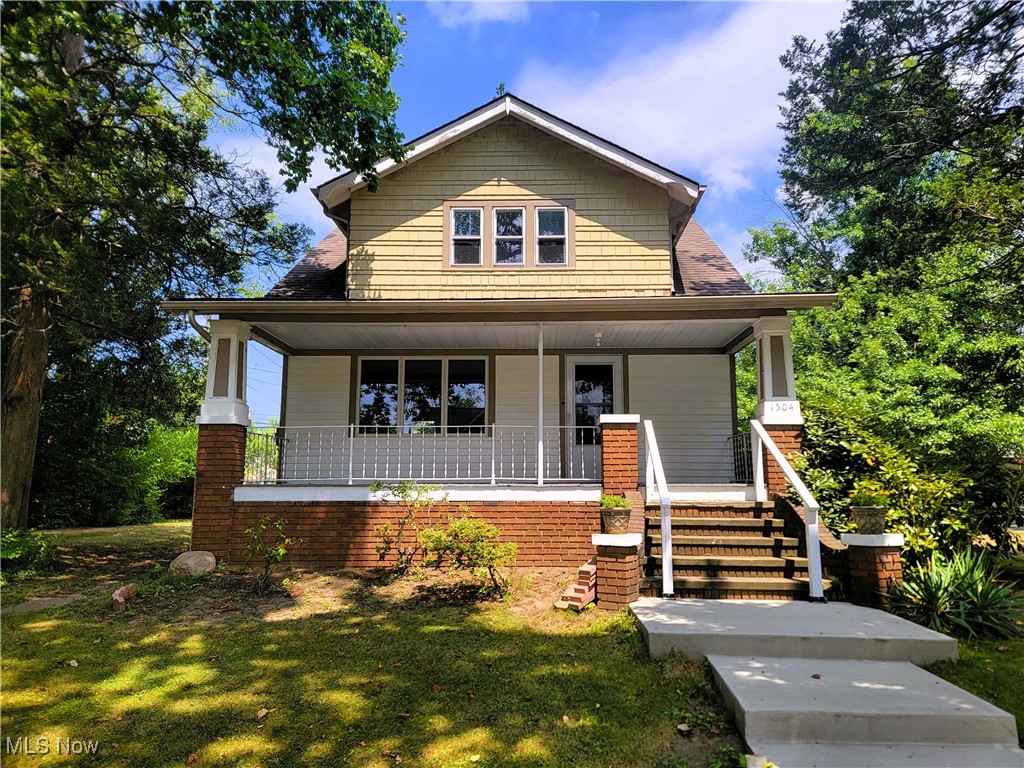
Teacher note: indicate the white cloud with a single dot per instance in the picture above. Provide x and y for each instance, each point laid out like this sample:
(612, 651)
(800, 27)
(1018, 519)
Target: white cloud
(705, 104)
(454, 13)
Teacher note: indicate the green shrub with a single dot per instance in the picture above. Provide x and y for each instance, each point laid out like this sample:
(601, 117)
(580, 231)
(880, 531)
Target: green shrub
(959, 595)
(401, 538)
(268, 548)
(932, 508)
(159, 580)
(26, 553)
(470, 544)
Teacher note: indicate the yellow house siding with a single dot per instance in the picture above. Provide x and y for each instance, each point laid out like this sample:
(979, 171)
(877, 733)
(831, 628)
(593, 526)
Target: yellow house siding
(396, 250)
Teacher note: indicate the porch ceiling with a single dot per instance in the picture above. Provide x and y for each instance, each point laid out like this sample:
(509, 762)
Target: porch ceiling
(709, 335)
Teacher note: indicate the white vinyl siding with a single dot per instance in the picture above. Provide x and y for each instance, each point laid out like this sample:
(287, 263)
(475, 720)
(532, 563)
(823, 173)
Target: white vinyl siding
(689, 399)
(318, 391)
(515, 405)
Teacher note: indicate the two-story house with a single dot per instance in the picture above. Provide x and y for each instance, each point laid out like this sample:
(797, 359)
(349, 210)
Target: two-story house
(514, 314)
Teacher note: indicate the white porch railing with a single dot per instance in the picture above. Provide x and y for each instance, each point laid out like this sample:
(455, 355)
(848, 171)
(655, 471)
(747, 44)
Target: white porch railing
(656, 479)
(350, 454)
(759, 438)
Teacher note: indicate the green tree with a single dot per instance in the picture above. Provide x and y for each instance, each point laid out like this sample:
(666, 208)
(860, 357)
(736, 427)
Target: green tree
(903, 186)
(113, 200)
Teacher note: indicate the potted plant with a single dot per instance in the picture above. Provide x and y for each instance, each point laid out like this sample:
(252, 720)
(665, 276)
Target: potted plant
(614, 514)
(869, 503)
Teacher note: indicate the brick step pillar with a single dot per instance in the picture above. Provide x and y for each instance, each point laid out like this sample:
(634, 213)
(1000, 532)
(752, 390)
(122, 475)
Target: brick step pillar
(875, 566)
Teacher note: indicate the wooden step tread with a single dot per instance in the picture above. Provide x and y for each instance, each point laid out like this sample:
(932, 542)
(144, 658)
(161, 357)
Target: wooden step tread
(730, 541)
(722, 522)
(737, 561)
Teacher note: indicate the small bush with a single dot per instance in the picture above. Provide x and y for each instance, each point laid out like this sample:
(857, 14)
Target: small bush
(26, 553)
(613, 502)
(402, 538)
(959, 595)
(270, 550)
(469, 544)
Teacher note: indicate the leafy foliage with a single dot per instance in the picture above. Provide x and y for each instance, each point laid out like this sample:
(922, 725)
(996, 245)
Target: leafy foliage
(268, 543)
(401, 538)
(470, 544)
(960, 595)
(613, 502)
(26, 553)
(114, 199)
(159, 580)
(904, 181)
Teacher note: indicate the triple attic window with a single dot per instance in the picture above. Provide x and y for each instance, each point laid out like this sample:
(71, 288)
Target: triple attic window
(531, 234)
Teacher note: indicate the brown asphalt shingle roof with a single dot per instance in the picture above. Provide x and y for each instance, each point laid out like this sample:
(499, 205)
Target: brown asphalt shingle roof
(700, 268)
(320, 275)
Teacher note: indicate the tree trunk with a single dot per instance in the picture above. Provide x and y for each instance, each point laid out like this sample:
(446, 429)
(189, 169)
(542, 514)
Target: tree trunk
(24, 372)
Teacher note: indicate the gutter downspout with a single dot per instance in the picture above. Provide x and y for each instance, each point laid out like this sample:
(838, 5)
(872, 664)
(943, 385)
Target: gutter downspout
(191, 316)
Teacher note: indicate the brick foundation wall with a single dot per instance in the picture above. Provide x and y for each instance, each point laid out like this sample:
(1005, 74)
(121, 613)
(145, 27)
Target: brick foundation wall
(618, 577)
(341, 534)
(873, 570)
(620, 458)
(790, 442)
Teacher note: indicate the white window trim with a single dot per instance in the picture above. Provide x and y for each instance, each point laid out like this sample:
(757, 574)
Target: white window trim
(564, 237)
(479, 238)
(400, 405)
(508, 238)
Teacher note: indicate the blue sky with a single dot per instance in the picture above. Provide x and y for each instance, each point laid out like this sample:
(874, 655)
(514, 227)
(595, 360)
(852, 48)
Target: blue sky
(692, 86)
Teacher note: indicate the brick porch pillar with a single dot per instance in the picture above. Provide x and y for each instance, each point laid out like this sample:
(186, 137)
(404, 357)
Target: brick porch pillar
(618, 570)
(220, 466)
(620, 455)
(875, 566)
(790, 442)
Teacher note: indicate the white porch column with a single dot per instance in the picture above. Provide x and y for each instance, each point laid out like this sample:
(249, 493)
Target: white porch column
(540, 403)
(776, 393)
(225, 401)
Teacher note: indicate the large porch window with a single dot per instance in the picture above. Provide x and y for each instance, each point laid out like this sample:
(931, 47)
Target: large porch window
(422, 395)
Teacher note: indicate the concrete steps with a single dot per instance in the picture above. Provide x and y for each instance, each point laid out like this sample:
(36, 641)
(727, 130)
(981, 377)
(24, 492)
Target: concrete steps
(797, 629)
(802, 712)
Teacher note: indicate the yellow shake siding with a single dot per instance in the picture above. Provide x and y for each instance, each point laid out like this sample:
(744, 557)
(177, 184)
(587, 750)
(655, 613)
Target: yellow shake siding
(622, 241)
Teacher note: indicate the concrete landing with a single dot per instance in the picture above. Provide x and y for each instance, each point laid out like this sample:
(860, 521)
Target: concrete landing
(822, 712)
(699, 628)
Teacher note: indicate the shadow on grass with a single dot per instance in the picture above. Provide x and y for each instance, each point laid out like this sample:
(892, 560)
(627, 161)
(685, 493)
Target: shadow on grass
(379, 681)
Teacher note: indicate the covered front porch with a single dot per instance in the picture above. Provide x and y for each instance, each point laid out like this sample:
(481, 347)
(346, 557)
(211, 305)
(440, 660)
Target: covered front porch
(494, 398)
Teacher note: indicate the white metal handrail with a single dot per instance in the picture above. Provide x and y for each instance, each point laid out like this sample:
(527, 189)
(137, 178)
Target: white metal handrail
(493, 453)
(759, 437)
(656, 479)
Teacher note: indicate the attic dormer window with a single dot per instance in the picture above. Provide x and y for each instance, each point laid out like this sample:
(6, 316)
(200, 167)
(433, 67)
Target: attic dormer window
(508, 235)
(467, 236)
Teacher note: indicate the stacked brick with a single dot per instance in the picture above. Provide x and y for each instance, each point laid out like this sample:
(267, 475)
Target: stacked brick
(583, 592)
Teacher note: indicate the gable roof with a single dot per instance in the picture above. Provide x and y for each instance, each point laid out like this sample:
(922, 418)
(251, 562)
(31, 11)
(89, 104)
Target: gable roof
(700, 268)
(679, 187)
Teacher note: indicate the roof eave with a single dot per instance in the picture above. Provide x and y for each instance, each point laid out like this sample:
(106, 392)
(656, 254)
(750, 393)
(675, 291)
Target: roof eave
(747, 302)
(337, 190)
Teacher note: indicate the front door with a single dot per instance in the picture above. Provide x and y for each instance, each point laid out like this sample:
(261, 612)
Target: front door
(593, 387)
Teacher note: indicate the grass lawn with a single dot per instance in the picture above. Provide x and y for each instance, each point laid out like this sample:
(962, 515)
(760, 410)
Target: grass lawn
(335, 670)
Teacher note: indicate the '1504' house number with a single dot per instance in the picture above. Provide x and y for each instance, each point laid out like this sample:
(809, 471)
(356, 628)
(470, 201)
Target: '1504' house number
(787, 406)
